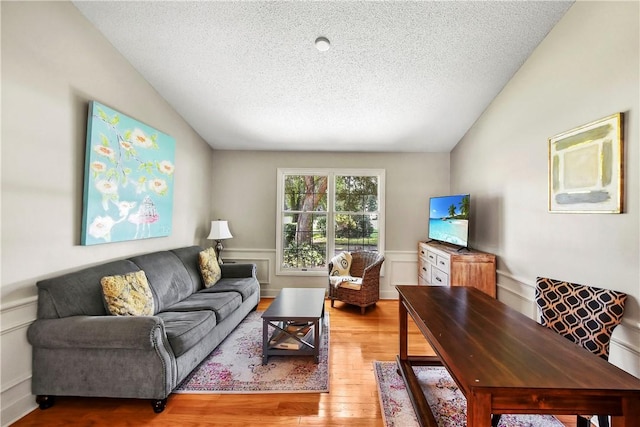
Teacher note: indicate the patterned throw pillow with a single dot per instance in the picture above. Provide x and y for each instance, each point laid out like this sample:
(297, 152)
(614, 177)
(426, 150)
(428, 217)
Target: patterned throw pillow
(341, 264)
(209, 267)
(128, 294)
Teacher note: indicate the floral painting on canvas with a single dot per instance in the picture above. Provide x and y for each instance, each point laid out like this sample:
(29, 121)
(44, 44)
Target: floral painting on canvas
(128, 180)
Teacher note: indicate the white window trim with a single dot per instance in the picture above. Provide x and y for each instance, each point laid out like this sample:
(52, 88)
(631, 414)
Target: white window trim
(331, 173)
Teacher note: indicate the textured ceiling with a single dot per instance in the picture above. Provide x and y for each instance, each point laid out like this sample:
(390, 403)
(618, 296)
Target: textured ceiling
(399, 76)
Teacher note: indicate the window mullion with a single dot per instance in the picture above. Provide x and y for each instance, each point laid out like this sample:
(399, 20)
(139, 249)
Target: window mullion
(331, 199)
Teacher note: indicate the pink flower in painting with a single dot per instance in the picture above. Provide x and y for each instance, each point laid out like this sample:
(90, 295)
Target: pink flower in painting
(100, 228)
(139, 138)
(166, 167)
(105, 151)
(106, 187)
(158, 186)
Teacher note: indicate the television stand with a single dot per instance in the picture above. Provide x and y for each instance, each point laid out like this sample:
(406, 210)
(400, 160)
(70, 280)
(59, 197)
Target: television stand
(440, 264)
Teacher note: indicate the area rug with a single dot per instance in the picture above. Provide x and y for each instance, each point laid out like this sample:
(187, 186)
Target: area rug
(446, 400)
(235, 366)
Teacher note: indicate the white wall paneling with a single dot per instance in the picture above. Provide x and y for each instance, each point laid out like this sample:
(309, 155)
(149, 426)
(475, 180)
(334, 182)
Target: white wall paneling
(15, 355)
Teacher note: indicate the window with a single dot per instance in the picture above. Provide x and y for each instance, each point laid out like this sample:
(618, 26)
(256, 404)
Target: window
(322, 212)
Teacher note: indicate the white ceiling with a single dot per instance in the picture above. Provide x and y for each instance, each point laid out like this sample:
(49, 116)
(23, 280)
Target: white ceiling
(399, 76)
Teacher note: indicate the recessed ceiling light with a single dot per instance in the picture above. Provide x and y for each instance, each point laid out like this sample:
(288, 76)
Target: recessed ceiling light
(322, 44)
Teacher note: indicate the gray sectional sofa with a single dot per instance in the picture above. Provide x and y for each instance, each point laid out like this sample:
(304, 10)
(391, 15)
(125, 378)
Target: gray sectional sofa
(79, 349)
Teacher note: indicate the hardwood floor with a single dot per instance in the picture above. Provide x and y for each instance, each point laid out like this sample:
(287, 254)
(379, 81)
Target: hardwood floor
(356, 341)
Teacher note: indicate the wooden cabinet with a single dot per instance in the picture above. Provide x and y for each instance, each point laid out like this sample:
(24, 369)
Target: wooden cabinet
(442, 265)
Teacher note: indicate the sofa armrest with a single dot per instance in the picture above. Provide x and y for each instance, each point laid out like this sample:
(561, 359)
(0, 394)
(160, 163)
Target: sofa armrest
(237, 271)
(98, 332)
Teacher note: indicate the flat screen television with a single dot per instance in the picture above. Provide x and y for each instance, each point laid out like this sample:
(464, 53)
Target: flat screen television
(449, 219)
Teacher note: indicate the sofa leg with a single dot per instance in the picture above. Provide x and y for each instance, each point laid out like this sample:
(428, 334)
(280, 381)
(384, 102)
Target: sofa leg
(45, 401)
(332, 301)
(159, 405)
(362, 310)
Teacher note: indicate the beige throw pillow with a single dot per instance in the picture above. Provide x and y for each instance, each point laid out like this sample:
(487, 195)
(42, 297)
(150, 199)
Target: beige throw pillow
(128, 294)
(341, 264)
(209, 267)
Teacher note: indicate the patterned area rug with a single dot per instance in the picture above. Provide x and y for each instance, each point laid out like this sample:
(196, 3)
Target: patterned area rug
(447, 402)
(235, 366)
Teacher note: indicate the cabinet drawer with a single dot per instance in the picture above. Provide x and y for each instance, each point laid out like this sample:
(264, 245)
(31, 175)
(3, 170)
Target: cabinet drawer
(424, 272)
(422, 252)
(431, 257)
(439, 277)
(442, 263)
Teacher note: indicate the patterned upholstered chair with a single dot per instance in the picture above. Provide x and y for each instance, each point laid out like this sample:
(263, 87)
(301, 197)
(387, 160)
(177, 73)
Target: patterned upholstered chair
(583, 314)
(365, 265)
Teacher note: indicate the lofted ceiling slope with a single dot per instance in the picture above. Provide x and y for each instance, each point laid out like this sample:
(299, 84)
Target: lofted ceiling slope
(398, 76)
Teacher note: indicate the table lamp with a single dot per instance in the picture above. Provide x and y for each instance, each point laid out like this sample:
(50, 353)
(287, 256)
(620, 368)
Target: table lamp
(219, 232)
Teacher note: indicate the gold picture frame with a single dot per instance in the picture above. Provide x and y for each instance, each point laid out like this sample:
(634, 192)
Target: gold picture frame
(586, 168)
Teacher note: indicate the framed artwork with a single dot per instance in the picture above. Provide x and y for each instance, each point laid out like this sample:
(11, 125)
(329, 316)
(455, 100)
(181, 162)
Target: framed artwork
(586, 167)
(128, 179)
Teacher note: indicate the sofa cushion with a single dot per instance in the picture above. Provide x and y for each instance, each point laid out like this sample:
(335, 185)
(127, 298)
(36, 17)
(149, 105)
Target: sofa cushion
(128, 294)
(189, 257)
(186, 329)
(169, 280)
(78, 293)
(221, 303)
(244, 286)
(209, 267)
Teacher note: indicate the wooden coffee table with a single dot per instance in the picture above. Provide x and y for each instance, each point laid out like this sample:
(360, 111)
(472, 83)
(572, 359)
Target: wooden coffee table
(292, 311)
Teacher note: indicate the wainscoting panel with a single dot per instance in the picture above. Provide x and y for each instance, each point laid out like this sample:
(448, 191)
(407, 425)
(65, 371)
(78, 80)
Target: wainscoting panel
(16, 396)
(263, 266)
(401, 269)
(517, 293)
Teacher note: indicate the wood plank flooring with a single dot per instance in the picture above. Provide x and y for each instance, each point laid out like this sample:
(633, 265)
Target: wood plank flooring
(356, 341)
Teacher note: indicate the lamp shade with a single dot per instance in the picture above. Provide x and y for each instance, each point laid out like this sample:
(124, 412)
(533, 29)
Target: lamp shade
(219, 230)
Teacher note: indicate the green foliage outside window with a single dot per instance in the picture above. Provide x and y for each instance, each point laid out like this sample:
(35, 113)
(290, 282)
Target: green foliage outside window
(303, 256)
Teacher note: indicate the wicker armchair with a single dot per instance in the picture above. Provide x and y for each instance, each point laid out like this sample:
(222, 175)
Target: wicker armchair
(367, 265)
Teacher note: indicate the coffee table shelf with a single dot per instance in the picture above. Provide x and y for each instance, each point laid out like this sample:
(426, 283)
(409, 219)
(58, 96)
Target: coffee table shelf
(304, 306)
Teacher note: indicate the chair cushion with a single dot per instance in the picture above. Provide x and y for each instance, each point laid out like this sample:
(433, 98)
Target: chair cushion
(347, 282)
(341, 264)
(128, 294)
(209, 267)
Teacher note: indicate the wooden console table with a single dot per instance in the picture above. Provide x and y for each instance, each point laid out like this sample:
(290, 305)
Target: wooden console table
(506, 363)
(445, 265)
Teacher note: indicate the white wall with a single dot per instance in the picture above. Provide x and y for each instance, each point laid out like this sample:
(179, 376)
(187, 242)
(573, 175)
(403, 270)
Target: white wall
(53, 63)
(244, 193)
(587, 68)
